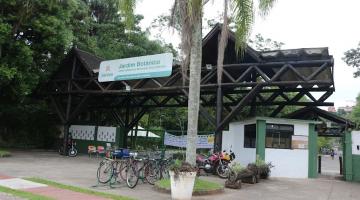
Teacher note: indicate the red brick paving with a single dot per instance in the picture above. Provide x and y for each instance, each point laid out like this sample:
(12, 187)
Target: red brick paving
(5, 177)
(61, 194)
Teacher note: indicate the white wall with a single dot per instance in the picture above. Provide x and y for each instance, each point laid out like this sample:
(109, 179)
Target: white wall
(291, 163)
(234, 139)
(355, 142)
(288, 163)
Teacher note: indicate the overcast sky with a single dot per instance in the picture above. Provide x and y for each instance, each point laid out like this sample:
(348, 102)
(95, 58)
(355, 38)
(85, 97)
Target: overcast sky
(298, 24)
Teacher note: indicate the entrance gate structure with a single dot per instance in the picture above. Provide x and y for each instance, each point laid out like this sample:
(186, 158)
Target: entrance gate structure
(342, 129)
(270, 78)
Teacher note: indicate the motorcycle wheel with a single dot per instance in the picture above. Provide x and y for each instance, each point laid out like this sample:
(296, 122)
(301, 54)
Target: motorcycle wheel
(222, 171)
(208, 170)
(72, 152)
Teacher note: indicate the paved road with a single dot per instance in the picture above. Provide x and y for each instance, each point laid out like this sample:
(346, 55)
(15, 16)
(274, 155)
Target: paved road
(81, 171)
(330, 166)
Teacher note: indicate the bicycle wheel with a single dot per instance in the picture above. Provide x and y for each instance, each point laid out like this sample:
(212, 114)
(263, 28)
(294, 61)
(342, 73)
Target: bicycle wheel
(150, 172)
(105, 172)
(164, 170)
(122, 169)
(132, 177)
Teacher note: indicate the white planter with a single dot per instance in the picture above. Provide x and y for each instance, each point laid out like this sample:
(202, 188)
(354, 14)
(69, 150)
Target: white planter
(182, 185)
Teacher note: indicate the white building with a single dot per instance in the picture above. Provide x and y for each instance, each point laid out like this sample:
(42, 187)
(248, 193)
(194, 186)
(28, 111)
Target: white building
(290, 145)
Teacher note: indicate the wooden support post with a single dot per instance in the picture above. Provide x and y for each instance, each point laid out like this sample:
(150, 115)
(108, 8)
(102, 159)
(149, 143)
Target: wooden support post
(341, 165)
(319, 164)
(127, 121)
(66, 138)
(219, 110)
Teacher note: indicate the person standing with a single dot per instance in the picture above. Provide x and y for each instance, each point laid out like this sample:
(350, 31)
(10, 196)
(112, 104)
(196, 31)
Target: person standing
(332, 153)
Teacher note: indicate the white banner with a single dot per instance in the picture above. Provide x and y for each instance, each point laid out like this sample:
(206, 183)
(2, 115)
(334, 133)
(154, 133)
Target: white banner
(203, 141)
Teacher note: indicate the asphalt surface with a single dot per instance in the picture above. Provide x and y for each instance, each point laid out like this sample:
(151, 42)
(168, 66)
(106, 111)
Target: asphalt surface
(81, 171)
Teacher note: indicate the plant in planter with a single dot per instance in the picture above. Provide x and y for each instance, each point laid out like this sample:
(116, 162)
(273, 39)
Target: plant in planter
(255, 170)
(264, 169)
(234, 179)
(4, 153)
(182, 178)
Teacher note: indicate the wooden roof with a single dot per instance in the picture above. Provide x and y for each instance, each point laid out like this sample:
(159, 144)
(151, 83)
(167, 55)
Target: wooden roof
(257, 78)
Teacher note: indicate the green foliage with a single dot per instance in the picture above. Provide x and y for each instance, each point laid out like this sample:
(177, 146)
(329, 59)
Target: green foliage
(34, 37)
(243, 11)
(264, 44)
(27, 125)
(176, 165)
(23, 194)
(99, 29)
(355, 114)
(237, 167)
(352, 58)
(181, 166)
(179, 155)
(324, 142)
(259, 162)
(4, 153)
(78, 189)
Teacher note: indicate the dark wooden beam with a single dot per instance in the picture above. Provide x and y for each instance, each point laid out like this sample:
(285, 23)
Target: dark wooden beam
(59, 113)
(239, 107)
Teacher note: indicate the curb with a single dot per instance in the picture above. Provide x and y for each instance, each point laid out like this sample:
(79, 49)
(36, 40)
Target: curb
(195, 193)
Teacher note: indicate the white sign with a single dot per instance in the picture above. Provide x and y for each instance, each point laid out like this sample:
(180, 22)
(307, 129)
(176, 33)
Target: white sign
(158, 65)
(203, 141)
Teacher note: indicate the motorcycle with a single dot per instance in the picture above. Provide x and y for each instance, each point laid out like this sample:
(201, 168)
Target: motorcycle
(223, 168)
(71, 148)
(216, 163)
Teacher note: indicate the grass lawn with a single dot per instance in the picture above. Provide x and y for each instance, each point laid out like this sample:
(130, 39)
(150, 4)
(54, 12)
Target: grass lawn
(200, 185)
(78, 189)
(22, 194)
(4, 153)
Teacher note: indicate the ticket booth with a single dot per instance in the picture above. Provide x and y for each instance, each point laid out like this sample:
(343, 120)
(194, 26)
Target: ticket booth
(290, 145)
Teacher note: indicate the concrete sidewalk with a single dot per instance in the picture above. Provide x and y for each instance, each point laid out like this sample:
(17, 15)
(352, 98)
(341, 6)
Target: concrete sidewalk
(81, 171)
(41, 189)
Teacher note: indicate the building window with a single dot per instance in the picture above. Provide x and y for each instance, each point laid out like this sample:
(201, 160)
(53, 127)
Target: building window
(279, 136)
(250, 136)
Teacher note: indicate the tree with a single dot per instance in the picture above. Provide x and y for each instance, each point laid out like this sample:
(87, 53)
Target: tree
(264, 44)
(355, 113)
(35, 36)
(189, 14)
(352, 58)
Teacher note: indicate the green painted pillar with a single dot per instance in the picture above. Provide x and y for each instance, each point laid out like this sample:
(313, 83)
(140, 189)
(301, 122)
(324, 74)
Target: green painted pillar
(119, 139)
(347, 154)
(260, 138)
(313, 152)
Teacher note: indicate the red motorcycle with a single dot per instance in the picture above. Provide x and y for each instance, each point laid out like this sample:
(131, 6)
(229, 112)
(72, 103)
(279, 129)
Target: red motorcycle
(217, 163)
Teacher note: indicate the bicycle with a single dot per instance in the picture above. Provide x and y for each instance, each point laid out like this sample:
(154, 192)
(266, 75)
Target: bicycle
(113, 169)
(162, 168)
(143, 168)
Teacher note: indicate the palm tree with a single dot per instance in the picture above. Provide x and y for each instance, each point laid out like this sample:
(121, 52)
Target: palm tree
(243, 17)
(189, 15)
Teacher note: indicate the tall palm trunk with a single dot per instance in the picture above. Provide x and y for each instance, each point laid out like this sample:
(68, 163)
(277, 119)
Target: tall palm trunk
(220, 62)
(194, 87)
